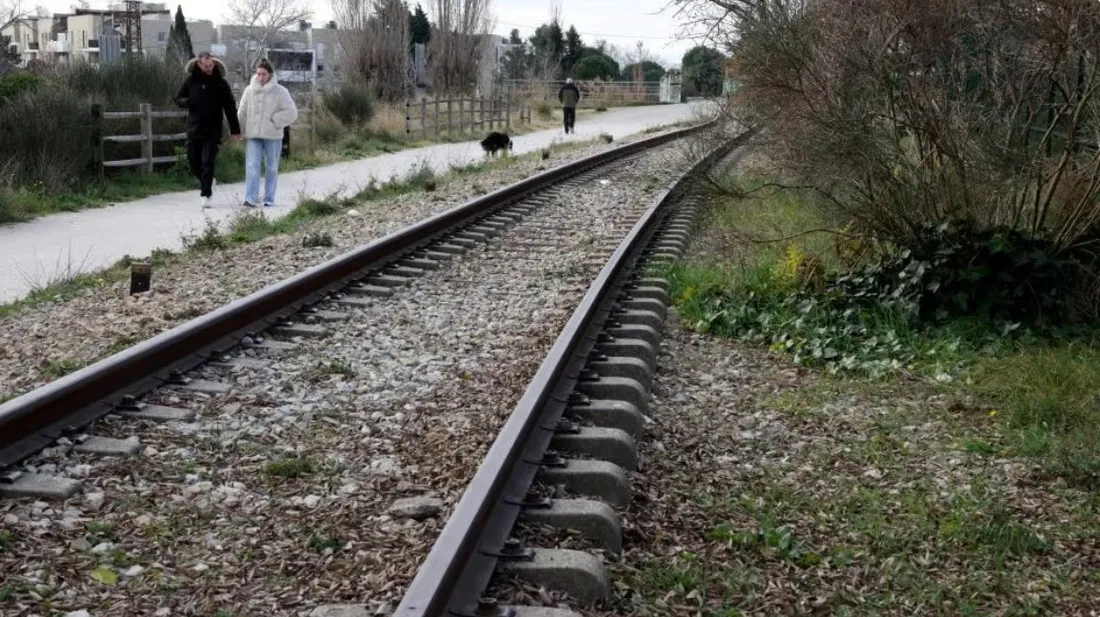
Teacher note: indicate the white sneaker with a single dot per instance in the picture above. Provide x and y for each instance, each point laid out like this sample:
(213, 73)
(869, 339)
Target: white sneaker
(205, 203)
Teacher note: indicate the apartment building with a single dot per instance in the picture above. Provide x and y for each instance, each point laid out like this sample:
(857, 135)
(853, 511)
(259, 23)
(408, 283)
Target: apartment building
(96, 35)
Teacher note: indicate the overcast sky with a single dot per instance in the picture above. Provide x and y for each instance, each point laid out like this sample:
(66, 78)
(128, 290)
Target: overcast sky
(621, 22)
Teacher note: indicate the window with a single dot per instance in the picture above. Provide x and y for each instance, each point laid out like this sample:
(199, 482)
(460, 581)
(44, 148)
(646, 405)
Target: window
(161, 36)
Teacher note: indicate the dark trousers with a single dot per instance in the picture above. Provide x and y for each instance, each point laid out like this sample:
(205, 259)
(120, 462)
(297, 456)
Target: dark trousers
(570, 115)
(201, 154)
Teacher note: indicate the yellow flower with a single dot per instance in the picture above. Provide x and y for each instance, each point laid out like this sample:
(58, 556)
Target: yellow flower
(992, 412)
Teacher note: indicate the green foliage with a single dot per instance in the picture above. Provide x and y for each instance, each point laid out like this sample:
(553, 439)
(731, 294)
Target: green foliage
(598, 66)
(179, 48)
(289, 468)
(961, 270)
(574, 48)
(319, 543)
(704, 70)
(16, 83)
(876, 319)
(352, 103)
(420, 29)
(651, 71)
(55, 369)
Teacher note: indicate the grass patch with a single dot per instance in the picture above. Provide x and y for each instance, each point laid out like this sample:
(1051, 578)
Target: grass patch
(1047, 398)
(7, 540)
(289, 468)
(55, 369)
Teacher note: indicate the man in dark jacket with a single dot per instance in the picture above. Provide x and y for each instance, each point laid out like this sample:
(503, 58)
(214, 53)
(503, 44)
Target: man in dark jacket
(569, 96)
(206, 96)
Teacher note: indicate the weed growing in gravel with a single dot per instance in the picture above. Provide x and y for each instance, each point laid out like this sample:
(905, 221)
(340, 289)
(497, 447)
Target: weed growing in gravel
(421, 175)
(319, 543)
(55, 369)
(606, 138)
(650, 183)
(98, 531)
(289, 468)
(318, 239)
(7, 539)
(209, 239)
(335, 367)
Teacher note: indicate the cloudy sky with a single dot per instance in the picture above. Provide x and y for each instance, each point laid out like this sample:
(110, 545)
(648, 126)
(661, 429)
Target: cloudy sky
(621, 22)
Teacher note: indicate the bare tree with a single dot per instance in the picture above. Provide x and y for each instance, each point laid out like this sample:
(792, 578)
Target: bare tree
(12, 11)
(262, 21)
(375, 40)
(458, 42)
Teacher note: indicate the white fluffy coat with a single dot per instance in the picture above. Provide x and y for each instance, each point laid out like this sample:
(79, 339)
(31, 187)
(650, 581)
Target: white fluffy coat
(266, 109)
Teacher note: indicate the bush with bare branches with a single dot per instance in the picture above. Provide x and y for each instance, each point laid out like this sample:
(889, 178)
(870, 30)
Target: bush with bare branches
(909, 112)
(457, 43)
(906, 114)
(375, 39)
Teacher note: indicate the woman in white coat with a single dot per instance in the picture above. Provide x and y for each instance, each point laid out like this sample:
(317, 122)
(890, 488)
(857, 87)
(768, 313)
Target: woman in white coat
(266, 108)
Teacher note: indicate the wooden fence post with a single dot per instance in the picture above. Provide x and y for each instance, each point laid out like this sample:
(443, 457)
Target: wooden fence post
(481, 113)
(435, 127)
(97, 139)
(313, 125)
(461, 114)
(508, 114)
(450, 116)
(147, 136)
(492, 112)
(423, 117)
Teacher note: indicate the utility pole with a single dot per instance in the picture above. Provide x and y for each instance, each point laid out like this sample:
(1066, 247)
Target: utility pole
(132, 21)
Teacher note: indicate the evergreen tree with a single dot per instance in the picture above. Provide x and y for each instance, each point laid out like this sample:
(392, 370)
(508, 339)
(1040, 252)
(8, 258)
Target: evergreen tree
(179, 47)
(419, 26)
(574, 48)
(548, 48)
(514, 37)
(704, 70)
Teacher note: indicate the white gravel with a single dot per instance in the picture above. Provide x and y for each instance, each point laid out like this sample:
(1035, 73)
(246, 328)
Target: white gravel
(277, 499)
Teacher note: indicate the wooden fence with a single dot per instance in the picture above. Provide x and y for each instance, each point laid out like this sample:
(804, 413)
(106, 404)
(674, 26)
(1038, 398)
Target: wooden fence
(456, 115)
(147, 137)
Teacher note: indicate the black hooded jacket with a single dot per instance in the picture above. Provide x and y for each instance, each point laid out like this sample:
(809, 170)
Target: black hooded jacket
(207, 98)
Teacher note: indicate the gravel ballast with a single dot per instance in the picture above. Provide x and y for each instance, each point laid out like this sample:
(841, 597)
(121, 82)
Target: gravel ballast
(324, 475)
(41, 343)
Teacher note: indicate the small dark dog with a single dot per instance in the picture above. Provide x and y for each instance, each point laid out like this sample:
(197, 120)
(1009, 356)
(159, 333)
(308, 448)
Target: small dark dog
(496, 141)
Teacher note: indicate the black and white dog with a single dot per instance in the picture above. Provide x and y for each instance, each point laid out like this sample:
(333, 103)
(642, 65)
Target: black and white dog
(496, 141)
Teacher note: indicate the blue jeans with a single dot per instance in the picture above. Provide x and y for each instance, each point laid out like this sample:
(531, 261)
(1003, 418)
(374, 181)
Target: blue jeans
(269, 150)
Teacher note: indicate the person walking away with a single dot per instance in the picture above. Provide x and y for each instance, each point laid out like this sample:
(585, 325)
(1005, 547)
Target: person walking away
(206, 96)
(266, 109)
(569, 96)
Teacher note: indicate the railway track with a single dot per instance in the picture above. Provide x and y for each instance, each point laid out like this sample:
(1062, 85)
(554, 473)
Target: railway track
(245, 386)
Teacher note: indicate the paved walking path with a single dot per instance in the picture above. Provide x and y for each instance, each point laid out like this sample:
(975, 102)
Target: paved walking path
(35, 252)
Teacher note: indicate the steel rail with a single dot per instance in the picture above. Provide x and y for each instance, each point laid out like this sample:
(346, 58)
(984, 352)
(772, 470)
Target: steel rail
(37, 418)
(463, 558)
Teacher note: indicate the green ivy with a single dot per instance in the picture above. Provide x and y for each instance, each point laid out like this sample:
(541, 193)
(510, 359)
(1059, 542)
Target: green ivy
(902, 312)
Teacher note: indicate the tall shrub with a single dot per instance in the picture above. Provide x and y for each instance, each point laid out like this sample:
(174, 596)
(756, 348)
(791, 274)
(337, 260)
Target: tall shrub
(46, 136)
